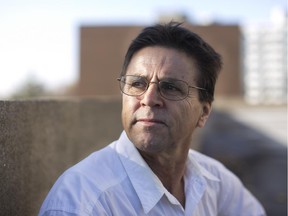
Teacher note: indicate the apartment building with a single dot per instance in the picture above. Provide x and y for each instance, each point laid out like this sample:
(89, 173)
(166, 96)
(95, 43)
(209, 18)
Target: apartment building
(265, 62)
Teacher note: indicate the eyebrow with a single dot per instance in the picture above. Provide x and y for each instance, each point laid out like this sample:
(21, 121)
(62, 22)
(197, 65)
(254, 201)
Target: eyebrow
(168, 79)
(171, 79)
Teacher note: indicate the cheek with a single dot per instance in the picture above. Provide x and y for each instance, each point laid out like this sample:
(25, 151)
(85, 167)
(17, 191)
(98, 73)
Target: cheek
(128, 110)
(125, 111)
(129, 104)
(190, 115)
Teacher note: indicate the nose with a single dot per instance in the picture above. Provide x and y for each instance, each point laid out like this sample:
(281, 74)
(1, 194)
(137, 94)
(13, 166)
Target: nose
(152, 96)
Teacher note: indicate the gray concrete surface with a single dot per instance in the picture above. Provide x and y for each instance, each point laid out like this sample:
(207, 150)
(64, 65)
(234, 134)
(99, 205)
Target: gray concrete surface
(255, 157)
(40, 139)
(270, 120)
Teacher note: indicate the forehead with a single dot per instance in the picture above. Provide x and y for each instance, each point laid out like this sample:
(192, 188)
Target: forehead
(162, 63)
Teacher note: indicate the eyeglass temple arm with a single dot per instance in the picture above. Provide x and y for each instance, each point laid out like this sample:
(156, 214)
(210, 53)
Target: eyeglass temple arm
(199, 88)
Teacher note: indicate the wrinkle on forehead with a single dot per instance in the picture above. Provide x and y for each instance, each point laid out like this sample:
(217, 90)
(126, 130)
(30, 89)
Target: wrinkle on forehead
(162, 62)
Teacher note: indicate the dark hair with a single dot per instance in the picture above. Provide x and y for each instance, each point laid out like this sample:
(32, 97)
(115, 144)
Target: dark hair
(173, 35)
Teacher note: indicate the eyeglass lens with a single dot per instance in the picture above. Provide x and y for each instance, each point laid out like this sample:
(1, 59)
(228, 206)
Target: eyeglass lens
(170, 89)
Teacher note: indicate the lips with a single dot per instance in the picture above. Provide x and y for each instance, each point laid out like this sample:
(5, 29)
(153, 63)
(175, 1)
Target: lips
(150, 121)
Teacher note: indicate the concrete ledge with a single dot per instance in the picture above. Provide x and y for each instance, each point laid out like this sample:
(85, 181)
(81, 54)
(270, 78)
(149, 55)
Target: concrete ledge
(40, 139)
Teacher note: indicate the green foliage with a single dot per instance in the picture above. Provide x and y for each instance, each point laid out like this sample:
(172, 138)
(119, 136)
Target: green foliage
(32, 88)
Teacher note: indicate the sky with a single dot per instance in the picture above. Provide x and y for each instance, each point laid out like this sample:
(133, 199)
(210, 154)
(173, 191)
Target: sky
(39, 39)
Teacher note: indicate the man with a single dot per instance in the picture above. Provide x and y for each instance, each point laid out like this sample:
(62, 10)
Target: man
(167, 81)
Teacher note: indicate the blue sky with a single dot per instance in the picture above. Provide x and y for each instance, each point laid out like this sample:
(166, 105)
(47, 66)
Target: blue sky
(39, 38)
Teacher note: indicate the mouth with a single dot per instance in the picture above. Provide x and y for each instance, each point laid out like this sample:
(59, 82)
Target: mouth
(150, 122)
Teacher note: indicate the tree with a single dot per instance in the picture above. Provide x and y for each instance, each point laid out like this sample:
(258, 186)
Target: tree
(31, 88)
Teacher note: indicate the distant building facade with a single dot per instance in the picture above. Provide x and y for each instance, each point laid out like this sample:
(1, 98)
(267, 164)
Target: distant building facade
(265, 63)
(102, 51)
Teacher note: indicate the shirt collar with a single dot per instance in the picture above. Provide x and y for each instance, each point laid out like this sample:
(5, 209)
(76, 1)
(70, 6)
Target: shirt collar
(146, 184)
(194, 167)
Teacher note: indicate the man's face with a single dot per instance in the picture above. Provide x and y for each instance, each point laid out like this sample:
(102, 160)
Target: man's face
(153, 123)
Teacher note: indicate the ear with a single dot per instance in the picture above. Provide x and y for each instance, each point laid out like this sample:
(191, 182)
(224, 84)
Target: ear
(206, 110)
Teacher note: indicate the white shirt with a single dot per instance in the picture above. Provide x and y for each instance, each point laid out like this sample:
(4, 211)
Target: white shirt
(117, 181)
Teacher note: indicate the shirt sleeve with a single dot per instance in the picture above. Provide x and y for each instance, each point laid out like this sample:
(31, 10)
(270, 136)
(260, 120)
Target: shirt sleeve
(98, 210)
(71, 195)
(58, 213)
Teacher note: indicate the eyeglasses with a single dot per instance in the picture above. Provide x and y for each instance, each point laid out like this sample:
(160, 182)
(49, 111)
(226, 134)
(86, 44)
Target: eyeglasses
(170, 89)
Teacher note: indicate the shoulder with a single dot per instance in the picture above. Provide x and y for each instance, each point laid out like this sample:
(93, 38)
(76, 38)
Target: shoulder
(210, 164)
(233, 197)
(207, 166)
(78, 188)
(103, 167)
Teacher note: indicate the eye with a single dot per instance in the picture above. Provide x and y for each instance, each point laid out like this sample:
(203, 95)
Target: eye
(167, 86)
(173, 90)
(138, 82)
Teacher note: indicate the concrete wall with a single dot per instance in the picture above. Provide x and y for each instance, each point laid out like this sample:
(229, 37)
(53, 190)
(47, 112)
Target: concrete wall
(40, 139)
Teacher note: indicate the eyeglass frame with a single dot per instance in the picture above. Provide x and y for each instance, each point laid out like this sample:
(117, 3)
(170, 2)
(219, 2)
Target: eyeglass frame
(157, 83)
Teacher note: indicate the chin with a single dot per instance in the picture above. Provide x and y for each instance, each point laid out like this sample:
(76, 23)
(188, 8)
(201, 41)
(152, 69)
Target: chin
(148, 150)
(148, 140)
(150, 145)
